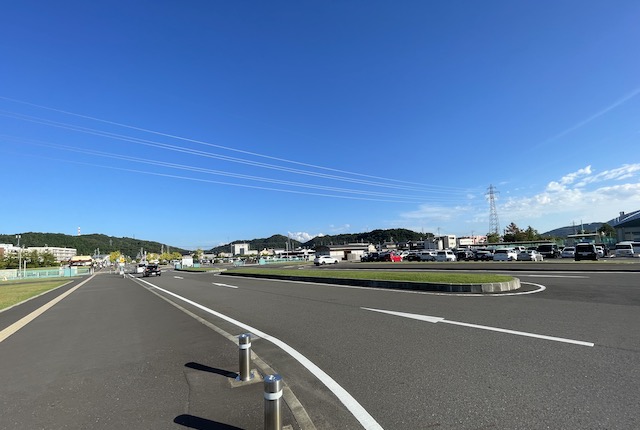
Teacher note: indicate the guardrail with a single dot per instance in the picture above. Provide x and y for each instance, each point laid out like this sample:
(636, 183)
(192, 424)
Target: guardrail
(61, 272)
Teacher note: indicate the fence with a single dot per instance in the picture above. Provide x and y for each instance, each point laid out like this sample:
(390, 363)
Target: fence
(61, 272)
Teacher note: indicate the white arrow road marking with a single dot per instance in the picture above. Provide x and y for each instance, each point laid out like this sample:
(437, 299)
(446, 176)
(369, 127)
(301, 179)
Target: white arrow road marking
(223, 285)
(483, 327)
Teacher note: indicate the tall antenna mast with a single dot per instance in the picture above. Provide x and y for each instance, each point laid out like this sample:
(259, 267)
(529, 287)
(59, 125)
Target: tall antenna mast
(494, 224)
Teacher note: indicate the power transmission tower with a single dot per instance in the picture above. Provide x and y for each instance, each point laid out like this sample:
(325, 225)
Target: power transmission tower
(494, 224)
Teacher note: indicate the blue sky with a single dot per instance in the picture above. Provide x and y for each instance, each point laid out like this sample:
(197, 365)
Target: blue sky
(203, 122)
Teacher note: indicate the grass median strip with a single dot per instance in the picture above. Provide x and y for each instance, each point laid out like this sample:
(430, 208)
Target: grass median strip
(375, 275)
(16, 292)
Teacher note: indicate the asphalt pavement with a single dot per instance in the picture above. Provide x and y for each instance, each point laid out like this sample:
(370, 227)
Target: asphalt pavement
(113, 355)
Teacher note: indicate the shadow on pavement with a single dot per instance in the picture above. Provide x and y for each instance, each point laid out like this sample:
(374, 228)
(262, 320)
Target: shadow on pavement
(205, 368)
(202, 423)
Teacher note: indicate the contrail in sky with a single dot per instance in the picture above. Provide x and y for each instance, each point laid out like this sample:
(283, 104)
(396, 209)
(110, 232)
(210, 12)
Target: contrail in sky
(624, 99)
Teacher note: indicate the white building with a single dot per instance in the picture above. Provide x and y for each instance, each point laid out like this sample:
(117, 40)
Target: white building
(60, 254)
(242, 249)
(445, 241)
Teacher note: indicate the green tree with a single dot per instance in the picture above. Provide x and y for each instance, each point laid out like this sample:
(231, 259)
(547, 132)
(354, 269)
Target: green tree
(493, 237)
(607, 230)
(511, 233)
(47, 259)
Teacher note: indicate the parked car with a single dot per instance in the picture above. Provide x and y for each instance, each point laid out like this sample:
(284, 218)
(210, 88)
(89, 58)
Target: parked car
(549, 250)
(464, 255)
(586, 251)
(530, 255)
(413, 256)
(391, 256)
(372, 256)
(483, 255)
(324, 259)
(428, 255)
(568, 252)
(151, 269)
(505, 254)
(445, 255)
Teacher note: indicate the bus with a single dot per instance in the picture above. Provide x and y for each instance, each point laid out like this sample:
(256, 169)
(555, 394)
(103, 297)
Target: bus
(627, 249)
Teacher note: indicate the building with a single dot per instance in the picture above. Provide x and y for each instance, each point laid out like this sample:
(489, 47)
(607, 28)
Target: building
(445, 242)
(59, 254)
(242, 249)
(627, 226)
(349, 252)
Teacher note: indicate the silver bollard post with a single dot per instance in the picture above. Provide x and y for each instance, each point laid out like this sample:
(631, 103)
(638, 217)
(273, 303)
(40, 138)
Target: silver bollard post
(272, 396)
(244, 344)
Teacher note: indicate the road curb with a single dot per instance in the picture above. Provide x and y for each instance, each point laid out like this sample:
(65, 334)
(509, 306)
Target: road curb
(495, 287)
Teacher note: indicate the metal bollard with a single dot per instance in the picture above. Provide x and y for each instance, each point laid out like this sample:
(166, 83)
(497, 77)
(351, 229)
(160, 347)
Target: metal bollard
(272, 395)
(244, 343)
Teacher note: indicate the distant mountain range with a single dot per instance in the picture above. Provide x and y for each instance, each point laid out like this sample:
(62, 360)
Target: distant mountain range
(279, 241)
(89, 244)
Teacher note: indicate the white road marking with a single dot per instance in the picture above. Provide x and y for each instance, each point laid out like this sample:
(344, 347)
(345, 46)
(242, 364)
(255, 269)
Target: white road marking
(223, 285)
(556, 276)
(367, 421)
(483, 327)
(13, 328)
(178, 277)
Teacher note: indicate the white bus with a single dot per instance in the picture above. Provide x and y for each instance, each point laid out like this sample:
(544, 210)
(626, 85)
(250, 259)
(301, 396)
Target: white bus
(627, 249)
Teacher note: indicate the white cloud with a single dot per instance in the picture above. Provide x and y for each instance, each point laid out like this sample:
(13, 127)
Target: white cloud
(571, 177)
(302, 236)
(627, 171)
(583, 195)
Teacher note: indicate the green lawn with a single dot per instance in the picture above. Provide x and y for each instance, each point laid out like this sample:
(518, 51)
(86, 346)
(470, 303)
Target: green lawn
(428, 277)
(17, 291)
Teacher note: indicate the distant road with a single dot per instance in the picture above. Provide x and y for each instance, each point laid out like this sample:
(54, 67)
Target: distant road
(565, 357)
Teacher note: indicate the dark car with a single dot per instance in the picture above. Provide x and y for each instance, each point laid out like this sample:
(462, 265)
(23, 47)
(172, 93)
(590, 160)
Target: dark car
(373, 256)
(413, 257)
(151, 269)
(585, 251)
(464, 255)
(483, 255)
(549, 250)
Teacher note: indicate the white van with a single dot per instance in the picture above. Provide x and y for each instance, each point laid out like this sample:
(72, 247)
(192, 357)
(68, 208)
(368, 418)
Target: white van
(627, 249)
(445, 255)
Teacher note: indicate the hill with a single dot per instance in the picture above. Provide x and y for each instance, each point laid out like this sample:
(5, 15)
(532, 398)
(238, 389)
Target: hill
(88, 244)
(279, 241)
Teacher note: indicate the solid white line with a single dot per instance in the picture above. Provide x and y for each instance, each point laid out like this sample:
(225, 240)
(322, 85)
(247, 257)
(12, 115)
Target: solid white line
(13, 328)
(556, 276)
(434, 320)
(367, 421)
